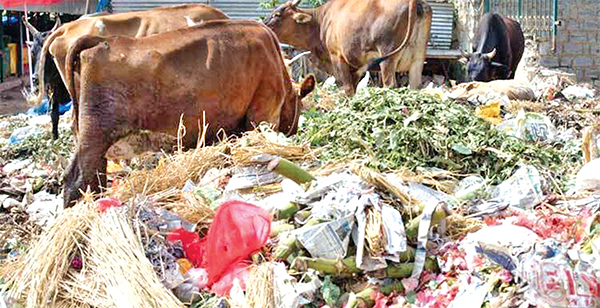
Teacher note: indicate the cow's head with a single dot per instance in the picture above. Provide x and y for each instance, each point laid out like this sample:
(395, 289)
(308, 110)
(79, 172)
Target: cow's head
(291, 24)
(292, 107)
(35, 44)
(481, 66)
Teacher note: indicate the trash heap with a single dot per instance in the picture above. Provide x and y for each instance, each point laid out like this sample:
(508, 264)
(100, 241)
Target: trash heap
(483, 195)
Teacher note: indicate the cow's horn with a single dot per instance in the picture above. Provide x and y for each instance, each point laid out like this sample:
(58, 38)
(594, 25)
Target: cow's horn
(465, 54)
(296, 2)
(31, 28)
(490, 55)
(56, 25)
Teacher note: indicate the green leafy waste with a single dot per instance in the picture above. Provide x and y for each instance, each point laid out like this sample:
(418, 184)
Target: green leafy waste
(395, 128)
(41, 147)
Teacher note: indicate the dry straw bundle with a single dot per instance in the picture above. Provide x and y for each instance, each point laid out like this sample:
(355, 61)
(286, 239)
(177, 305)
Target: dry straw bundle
(173, 171)
(115, 271)
(38, 275)
(259, 290)
(116, 262)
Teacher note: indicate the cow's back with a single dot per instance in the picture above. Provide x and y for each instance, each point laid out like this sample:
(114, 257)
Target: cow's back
(517, 41)
(355, 28)
(221, 70)
(130, 24)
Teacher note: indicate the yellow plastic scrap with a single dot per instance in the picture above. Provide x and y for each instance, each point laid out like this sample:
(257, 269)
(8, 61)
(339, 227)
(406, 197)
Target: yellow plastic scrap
(436, 93)
(184, 265)
(490, 112)
(113, 167)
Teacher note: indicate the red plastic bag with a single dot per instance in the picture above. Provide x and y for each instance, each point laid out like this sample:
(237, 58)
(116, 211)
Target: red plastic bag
(238, 230)
(240, 270)
(193, 247)
(106, 203)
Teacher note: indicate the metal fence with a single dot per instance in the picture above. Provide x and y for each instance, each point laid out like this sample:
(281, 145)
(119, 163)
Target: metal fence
(537, 17)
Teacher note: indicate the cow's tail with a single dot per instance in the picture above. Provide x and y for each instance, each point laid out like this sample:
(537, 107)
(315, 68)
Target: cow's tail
(72, 61)
(412, 20)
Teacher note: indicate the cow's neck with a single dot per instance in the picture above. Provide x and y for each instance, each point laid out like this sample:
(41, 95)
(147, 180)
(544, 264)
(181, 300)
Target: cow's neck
(314, 44)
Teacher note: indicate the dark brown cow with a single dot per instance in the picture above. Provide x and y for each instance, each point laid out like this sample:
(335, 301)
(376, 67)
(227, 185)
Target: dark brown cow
(345, 35)
(230, 71)
(131, 24)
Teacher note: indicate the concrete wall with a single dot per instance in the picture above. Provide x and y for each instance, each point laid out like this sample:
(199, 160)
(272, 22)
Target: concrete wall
(578, 40)
(577, 43)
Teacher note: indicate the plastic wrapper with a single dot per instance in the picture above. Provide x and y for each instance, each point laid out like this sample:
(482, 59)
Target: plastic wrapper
(236, 272)
(470, 188)
(193, 247)
(558, 281)
(15, 166)
(420, 192)
(164, 221)
(45, 208)
(104, 204)
(490, 112)
(522, 190)
(529, 126)
(238, 229)
(334, 196)
(44, 108)
(470, 295)
(499, 241)
(289, 293)
(22, 133)
(588, 177)
(590, 143)
(251, 176)
(574, 91)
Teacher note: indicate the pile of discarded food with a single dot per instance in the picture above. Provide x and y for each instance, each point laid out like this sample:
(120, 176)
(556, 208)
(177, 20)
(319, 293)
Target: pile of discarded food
(463, 197)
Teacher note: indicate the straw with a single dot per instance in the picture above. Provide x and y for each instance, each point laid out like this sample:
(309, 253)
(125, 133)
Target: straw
(259, 290)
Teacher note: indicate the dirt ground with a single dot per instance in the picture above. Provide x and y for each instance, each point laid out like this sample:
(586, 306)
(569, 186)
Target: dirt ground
(12, 100)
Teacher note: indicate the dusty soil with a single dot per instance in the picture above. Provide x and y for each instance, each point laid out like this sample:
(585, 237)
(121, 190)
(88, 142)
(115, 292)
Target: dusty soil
(12, 100)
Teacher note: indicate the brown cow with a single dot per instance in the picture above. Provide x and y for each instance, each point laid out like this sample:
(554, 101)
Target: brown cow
(344, 35)
(230, 70)
(131, 24)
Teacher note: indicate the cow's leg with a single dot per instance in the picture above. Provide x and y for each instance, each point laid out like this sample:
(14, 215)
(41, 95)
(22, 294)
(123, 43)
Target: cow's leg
(87, 168)
(59, 96)
(388, 73)
(97, 132)
(342, 73)
(415, 74)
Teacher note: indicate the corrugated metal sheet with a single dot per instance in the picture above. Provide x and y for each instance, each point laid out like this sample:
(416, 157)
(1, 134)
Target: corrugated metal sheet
(237, 9)
(121, 6)
(440, 36)
(441, 27)
(70, 7)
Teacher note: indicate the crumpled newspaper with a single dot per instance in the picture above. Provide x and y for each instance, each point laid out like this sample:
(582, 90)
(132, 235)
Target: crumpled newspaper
(292, 294)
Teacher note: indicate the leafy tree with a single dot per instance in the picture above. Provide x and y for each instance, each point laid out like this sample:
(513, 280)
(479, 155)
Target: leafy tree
(269, 4)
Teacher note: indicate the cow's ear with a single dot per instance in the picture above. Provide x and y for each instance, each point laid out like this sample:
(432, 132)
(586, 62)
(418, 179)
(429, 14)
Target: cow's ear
(302, 18)
(307, 85)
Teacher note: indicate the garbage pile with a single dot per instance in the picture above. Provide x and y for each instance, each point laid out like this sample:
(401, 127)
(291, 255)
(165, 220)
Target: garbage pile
(444, 197)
